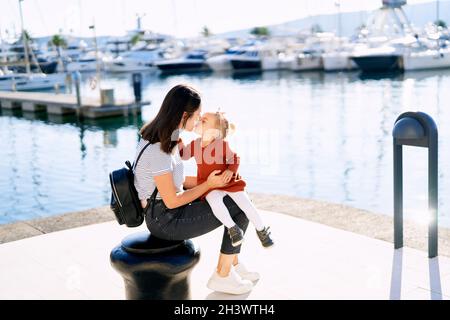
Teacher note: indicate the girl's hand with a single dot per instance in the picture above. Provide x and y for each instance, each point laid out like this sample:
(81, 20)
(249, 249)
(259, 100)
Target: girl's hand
(215, 180)
(227, 175)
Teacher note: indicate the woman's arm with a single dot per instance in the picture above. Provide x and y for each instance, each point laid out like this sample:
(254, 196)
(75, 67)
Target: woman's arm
(190, 182)
(172, 199)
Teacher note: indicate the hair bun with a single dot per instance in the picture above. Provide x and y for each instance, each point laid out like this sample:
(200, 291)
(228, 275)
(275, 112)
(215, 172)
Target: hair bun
(231, 128)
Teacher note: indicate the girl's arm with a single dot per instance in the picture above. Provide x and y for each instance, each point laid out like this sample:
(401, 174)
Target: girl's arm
(232, 160)
(172, 199)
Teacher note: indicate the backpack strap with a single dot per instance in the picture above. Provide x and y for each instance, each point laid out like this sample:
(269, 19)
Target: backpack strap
(151, 200)
(132, 167)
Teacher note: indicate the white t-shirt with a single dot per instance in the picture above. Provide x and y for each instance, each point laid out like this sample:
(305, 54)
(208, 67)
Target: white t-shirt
(155, 162)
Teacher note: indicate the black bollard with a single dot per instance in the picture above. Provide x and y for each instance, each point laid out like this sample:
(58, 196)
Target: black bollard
(416, 129)
(155, 269)
(137, 87)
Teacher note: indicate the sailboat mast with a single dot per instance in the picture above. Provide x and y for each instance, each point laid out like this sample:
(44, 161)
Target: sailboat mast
(338, 5)
(437, 10)
(4, 60)
(97, 66)
(24, 40)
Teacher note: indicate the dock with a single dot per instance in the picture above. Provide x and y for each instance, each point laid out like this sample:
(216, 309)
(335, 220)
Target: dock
(323, 263)
(66, 104)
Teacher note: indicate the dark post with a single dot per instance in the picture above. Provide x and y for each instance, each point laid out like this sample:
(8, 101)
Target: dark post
(416, 129)
(153, 268)
(77, 79)
(137, 87)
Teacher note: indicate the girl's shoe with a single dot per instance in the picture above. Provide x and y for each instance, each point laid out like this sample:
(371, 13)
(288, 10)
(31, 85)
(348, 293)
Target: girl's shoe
(236, 235)
(231, 284)
(245, 274)
(264, 236)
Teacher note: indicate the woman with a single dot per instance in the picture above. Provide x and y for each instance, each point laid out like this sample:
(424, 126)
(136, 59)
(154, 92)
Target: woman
(178, 214)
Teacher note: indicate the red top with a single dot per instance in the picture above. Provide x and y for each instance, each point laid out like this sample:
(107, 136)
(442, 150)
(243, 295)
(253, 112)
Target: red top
(215, 156)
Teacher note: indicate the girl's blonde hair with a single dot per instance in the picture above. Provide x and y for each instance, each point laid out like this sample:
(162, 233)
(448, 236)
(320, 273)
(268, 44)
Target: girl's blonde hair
(224, 126)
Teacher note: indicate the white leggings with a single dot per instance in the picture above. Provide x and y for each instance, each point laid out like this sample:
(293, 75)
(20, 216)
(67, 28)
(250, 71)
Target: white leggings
(215, 201)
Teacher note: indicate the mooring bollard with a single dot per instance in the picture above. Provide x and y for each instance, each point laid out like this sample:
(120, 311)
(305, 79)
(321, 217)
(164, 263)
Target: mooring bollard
(416, 129)
(137, 87)
(68, 82)
(153, 268)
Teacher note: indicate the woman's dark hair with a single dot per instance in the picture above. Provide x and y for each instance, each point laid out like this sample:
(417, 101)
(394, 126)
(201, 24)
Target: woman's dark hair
(181, 98)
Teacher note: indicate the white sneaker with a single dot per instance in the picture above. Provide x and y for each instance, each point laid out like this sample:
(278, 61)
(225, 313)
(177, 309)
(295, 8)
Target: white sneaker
(245, 274)
(232, 284)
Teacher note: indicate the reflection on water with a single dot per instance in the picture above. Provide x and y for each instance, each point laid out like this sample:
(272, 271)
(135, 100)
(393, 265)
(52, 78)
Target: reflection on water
(319, 135)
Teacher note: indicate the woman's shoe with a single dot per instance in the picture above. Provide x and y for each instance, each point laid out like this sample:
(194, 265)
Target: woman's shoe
(264, 237)
(236, 235)
(231, 284)
(245, 274)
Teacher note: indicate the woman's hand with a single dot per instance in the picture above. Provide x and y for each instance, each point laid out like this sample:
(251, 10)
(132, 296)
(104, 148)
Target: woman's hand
(227, 175)
(215, 180)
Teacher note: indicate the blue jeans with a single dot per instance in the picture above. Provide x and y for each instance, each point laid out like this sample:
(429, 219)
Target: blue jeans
(192, 220)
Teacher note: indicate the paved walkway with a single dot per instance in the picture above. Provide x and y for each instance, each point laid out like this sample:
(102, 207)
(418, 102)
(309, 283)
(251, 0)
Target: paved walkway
(309, 261)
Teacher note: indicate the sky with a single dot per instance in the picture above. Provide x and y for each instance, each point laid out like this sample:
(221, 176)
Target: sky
(182, 18)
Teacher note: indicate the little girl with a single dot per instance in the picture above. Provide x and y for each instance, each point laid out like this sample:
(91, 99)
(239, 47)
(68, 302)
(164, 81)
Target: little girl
(212, 152)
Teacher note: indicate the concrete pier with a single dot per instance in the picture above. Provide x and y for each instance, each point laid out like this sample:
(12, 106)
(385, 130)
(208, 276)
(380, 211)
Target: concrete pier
(62, 104)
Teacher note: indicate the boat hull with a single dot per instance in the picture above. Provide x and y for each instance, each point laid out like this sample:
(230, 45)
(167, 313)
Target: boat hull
(244, 64)
(306, 64)
(183, 67)
(114, 67)
(338, 63)
(422, 61)
(33, 82)
(45, 67)
(219, 63)
(379, 63)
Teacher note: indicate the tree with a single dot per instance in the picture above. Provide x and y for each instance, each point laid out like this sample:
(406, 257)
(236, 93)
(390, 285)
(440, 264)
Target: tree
(260, 31)
(440, 23)
(206, 32)
(58, 42)
(135, 39)
(27, 36)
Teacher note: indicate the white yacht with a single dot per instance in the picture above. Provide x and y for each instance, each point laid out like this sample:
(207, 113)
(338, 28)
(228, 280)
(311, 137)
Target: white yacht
(31, 81)
(88, 62)
(193, 61)
(384, 40)
(305, 60)
(378, 59)
(308, 57)
(250, 59)
(272, 59)
(339, 60)
(246, 58)
(138, 60)
(222, 62)
(28, 81)
(427, 59)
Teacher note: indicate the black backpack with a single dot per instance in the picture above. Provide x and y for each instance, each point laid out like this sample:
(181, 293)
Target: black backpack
(125, 202)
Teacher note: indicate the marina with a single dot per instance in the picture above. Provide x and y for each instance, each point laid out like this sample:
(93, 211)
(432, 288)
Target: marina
(387, 53)
(279, 115)
(335, 111)
(387, 40)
